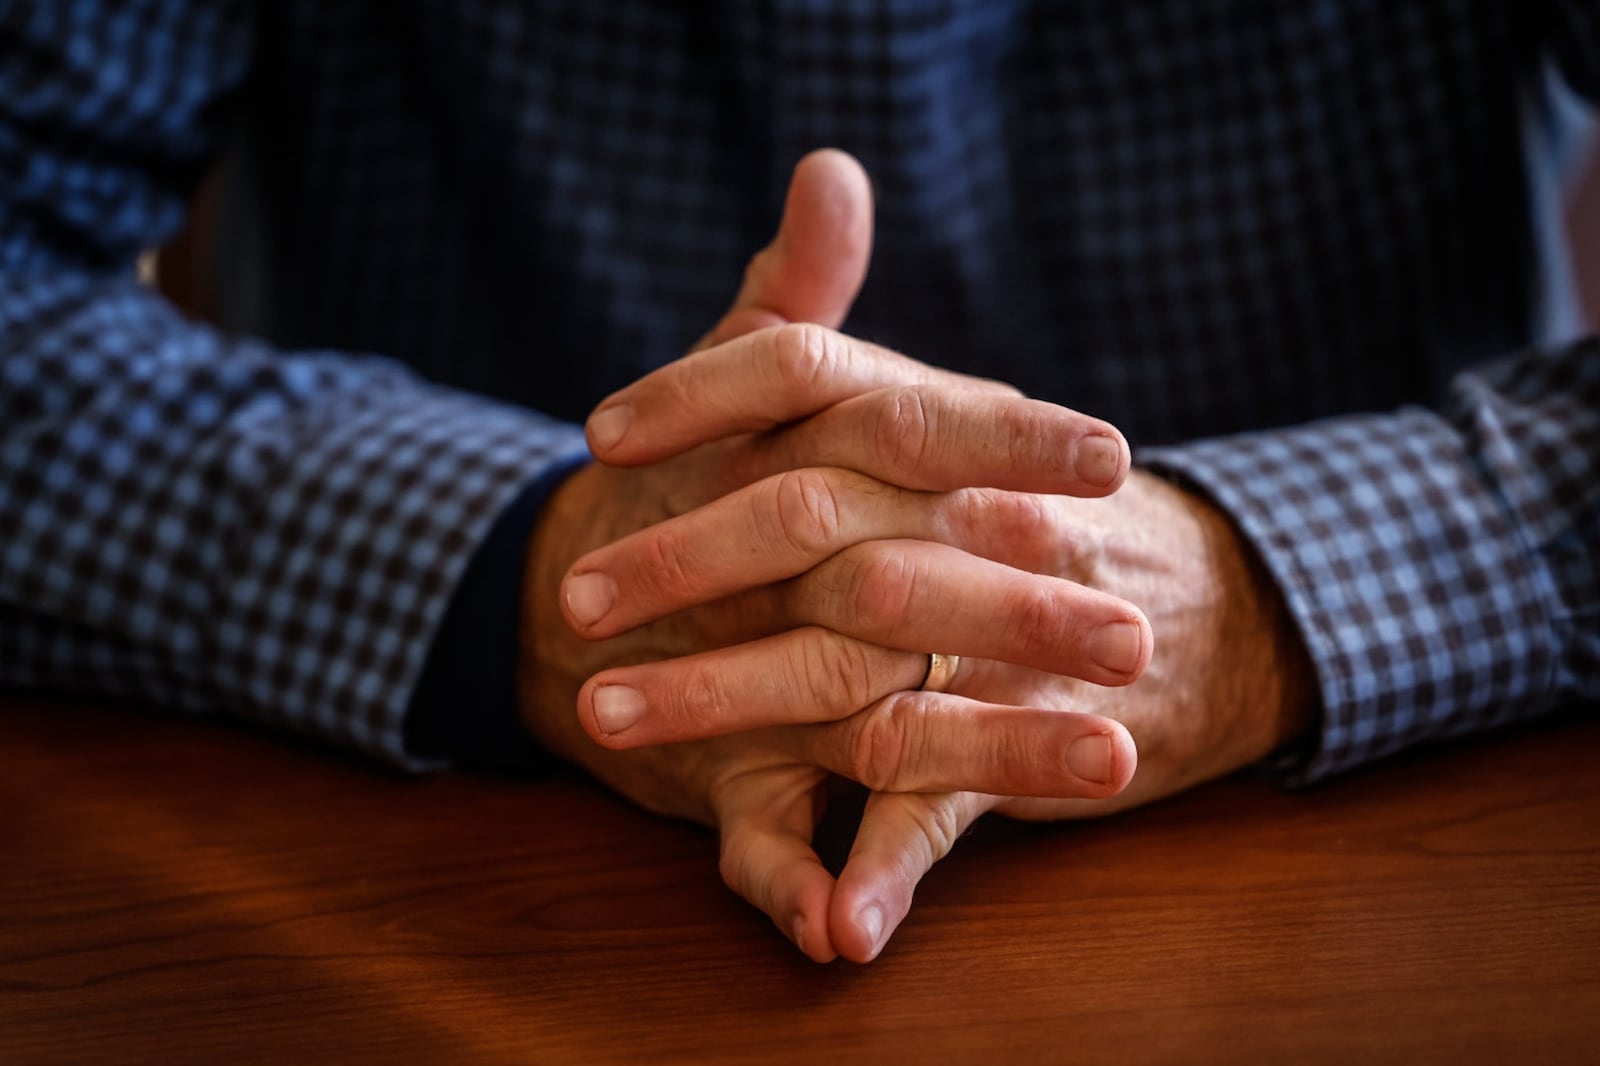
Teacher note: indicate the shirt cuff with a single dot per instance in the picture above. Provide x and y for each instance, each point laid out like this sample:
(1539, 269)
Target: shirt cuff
(1423, 611)
(465, 707)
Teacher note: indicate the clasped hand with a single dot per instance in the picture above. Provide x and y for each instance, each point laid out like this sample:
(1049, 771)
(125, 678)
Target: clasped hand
(740, 598)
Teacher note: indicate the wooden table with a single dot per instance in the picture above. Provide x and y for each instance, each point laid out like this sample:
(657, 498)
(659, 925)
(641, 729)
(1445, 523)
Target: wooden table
(183, 891)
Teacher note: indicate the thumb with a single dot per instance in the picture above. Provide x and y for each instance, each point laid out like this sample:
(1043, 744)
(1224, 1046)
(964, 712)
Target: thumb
(814, 267)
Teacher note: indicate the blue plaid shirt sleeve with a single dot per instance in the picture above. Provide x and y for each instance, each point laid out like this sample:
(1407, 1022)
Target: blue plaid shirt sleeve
(188, 517)
(1443, 567)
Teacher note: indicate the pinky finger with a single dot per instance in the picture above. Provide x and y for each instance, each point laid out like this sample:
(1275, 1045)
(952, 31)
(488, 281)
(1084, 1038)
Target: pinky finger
(901, 836)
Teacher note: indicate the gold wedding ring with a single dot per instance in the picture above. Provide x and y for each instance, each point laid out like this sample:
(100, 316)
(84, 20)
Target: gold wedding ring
(941, 671)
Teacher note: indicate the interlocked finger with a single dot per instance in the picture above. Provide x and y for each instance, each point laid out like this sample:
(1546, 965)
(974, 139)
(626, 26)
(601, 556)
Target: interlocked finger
(799, 676)
(917, 595)
(752, 383)
(929, 435)
(851, 708)
(774, 529)
(784, 525)
(941, 742)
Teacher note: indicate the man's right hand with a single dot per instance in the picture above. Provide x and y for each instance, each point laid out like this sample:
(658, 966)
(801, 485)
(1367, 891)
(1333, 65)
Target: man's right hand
(833, 511)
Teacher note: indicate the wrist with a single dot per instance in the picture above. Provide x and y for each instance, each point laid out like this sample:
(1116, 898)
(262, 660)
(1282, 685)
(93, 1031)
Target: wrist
(1275, 679)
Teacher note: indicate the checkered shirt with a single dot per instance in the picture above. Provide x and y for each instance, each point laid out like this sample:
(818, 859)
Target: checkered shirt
(1289, 248)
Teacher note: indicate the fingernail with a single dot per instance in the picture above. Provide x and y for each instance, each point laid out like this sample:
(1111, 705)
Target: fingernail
(870, 919)
(1097, 460)
(1117, 647)
(798, 929)
(616, 707)
(590, 596)
(607, 427)
(1090, 758)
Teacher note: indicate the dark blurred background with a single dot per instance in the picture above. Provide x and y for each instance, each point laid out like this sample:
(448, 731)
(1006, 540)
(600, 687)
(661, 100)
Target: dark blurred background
(1583, 223)
(183, 269)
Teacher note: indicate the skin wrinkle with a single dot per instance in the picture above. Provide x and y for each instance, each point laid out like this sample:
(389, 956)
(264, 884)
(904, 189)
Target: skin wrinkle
(882, 744)
(840, 665)
(810, 516)
(1034, 619)
(881, 588)
(806, 358)
(699, 698)
(666, 568)
(904, 431)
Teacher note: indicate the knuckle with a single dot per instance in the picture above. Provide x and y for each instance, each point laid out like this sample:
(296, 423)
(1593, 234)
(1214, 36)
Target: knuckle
(1030, 438)
(1009, 525)
(664, 566)
(1019, 759)
(968, 512)
(807, 511)
(1076, 551)
(698, 701)
(882, 750)
(1031, 518)
(805, 355)
(903, 433)
(940, 823)
(883, 589)
(1034, 618)
(835, 667)
(679, 386)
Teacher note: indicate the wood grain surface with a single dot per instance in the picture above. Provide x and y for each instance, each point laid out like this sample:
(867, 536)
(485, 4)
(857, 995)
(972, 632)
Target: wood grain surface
(181, 891)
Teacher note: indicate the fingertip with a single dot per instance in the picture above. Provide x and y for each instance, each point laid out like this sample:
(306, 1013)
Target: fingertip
(832, 157)
(1101, 460)
(586, 598)
(585, 711)
(824, 241)
(1102, 760)
(1148, 644)
(866, 908)
(900, 838)
(863, 929)
(607, 426)
(837, 181)
(872, 926)
(810, 934)
(609, 711)
(1120, 650)
(1124, 757)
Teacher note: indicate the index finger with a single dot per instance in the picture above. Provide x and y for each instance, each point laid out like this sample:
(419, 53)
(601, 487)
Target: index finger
(749, 384)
